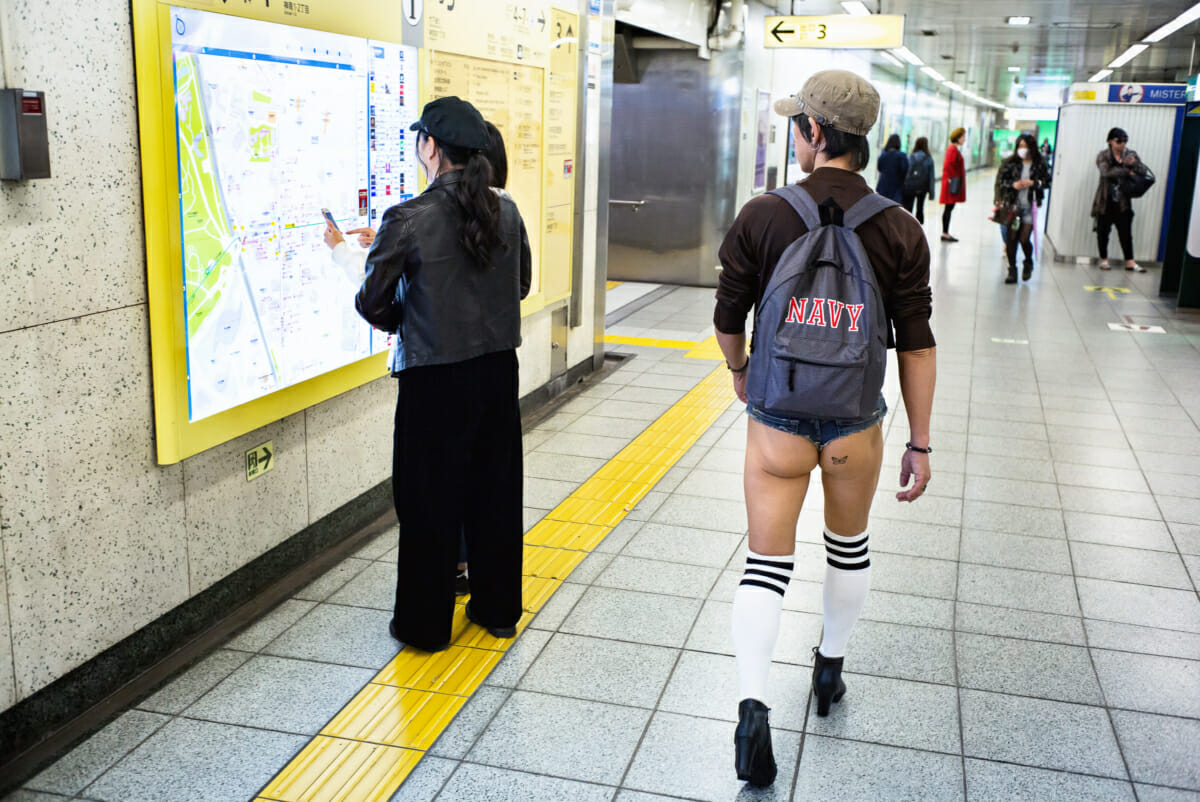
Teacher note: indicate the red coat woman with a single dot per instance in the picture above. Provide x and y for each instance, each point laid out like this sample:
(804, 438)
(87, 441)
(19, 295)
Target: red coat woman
(954, 180)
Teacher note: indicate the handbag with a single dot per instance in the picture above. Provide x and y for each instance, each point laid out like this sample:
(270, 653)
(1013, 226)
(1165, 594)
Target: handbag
(1006, 215)
(954, 185)
(1138, 182)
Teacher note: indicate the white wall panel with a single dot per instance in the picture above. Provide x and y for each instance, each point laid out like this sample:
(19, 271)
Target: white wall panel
(1082, 129)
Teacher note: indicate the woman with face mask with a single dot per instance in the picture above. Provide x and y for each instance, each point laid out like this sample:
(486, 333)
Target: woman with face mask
(1021, 183)
(1110, 205)
(447, 272)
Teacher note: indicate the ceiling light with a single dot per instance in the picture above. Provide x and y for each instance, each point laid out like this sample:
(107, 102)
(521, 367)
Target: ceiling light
(1014, 69)
(1100, 76)
(1020, 20)
(932, 73)
(892, 58)
(954, 86)
(856, 9)
(909, 56)
(1128, 56)
(1191, 15)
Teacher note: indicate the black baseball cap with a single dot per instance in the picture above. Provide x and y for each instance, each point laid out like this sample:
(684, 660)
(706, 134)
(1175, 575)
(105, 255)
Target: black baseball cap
(1117, 134)
(453, 121)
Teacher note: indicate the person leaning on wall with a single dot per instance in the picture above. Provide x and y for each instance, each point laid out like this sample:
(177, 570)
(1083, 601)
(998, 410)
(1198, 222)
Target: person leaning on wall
(954, 180)
(1111, 205)
(831, 117)
(447, 272)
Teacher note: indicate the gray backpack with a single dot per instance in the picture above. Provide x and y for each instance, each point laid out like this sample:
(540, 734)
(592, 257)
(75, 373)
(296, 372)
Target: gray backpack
(820, 331)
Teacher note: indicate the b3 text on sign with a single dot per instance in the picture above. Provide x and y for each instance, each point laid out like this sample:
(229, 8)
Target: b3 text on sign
(841, 31)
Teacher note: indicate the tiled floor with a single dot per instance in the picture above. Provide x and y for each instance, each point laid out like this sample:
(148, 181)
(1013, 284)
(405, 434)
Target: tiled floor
(1033, 631)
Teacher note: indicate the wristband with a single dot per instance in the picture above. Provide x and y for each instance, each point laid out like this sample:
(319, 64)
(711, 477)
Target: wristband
(918, 449)
(742, 369)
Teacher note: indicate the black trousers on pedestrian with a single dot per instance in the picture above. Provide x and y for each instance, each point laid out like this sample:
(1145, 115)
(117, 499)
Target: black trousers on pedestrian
(1124, 223)
(457, 471)
(947, 210)
(919, 200)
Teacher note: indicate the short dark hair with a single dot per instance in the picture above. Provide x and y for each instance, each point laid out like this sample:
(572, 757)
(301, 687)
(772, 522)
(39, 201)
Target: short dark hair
(838, 143)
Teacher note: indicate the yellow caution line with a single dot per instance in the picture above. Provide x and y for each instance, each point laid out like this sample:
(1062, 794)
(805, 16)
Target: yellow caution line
(707, 349)
(371, 746)
(612, 285)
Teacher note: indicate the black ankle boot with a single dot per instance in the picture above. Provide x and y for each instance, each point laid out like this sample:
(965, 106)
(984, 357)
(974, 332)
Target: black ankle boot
(827, 682)
(1011, 278)
(754, 759)
(1027, 270)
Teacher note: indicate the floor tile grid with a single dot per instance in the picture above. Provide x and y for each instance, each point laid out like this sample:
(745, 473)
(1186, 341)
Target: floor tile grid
(1103, 701)
(325, 759)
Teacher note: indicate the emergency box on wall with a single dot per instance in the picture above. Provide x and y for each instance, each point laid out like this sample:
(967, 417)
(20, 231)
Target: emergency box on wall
(24, 144)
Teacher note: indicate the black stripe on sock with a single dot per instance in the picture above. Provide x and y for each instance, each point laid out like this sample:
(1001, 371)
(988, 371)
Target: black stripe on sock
(847, 566)
(769, 575)
(842, 544)
(846, 554)
(771, 563)
(759, 584)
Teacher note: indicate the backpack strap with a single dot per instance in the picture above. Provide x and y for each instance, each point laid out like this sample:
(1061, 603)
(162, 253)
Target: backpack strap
(865, 209)
(803, 203)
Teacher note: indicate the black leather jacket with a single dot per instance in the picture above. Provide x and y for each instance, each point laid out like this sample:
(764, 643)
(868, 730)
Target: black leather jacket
(422, 284)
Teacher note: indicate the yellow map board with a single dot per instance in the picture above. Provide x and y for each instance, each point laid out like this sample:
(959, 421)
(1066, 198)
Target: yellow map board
(510, 97)
(490, 29)
(562, 84)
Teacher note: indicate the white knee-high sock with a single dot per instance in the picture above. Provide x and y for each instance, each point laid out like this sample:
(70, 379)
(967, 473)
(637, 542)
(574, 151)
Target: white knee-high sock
(847, 580)
(757, 605)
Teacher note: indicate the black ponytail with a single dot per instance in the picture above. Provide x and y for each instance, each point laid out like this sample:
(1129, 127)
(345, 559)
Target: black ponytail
(479, 205)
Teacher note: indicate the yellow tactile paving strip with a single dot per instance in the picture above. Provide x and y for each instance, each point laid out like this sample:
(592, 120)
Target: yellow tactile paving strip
(377, 739)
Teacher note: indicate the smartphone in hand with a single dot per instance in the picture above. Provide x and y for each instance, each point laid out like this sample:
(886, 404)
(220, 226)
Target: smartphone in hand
(329, 219)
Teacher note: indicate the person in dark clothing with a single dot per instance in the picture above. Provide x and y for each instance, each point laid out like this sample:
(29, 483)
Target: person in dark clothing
(1110, 205)
(1021, 182)
(893, 168)
(831, 117)
(921, 179)
(447, 272)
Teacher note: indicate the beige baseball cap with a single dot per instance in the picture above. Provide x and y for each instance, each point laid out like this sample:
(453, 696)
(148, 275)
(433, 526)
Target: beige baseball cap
(836, 98)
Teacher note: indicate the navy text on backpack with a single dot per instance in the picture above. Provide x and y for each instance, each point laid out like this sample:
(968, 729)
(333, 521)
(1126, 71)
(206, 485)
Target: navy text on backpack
(820, 331)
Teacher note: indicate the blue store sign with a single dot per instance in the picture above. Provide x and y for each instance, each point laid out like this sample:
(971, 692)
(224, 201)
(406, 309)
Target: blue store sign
(1147, 93)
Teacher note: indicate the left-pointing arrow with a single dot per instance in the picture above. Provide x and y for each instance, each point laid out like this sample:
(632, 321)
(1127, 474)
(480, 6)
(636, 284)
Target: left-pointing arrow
(779, 29)
(266, 458)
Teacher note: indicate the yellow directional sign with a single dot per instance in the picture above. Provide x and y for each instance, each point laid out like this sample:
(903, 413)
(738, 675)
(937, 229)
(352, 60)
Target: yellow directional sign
(260, 460)
(1111, 291)
(876, 31)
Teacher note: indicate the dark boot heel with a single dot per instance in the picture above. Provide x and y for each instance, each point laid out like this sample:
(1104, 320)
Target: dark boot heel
(754, 759)
(827, 682)
(1027, 270)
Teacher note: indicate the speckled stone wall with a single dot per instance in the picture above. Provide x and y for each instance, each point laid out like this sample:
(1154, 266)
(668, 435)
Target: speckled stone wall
(97, 539)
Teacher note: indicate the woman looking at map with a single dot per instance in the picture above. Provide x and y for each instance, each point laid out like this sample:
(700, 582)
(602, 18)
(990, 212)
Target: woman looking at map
(447, 272)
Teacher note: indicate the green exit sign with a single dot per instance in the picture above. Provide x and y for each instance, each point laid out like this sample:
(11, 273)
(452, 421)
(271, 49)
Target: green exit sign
(260, 460)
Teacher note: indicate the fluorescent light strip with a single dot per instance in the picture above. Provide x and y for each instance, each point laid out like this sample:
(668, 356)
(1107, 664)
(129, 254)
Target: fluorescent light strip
(952, 85)
(1019, 20)
(891, 58)
(909, 56)
(932, 73)
(1014, 69)
(1128, 56)
(1100, 76)
(856, 9)
(1191, 15)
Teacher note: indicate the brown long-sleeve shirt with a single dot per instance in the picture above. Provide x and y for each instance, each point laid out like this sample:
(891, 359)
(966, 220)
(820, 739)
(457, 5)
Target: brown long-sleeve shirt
(894, 241)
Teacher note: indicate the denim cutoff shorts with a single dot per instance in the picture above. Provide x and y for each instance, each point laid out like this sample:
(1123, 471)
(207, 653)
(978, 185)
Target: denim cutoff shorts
(819, 431)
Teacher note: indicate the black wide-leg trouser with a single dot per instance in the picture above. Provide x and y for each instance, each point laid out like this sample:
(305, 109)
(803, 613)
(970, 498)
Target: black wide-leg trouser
(457, 471)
